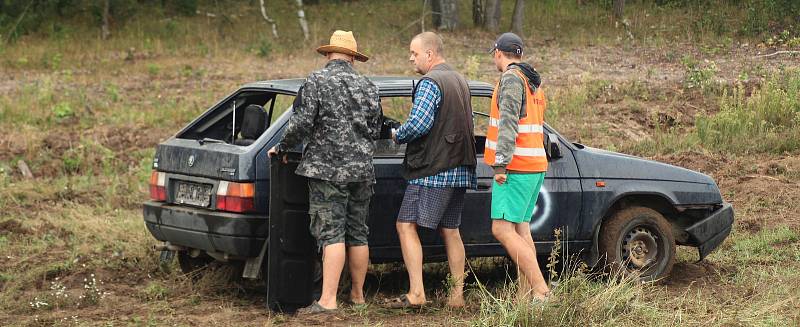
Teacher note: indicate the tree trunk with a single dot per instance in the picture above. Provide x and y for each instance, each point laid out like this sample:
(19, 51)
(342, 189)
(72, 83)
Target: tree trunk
(445, 14)
(479, 13)
(518, 18)
(301, 16)
(105, 29)
(493, 15)
(436, 13)
(619, 9)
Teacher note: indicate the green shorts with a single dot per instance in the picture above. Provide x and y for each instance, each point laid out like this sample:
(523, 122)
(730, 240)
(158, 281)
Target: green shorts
(515, 200)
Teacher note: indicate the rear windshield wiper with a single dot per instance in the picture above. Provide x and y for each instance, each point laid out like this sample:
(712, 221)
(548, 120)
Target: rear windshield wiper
(210, 140)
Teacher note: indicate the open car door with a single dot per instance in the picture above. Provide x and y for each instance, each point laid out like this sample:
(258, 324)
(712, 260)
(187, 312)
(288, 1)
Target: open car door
(291, 254)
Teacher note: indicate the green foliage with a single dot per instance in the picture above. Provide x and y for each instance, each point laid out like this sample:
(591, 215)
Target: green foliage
(62, 110)
(767, 247)
(712, 21)
(185, 7)
(766, 121)
(699, 76)
(264, 48)
(51, 60)
(784, 38)
(765, 14)
(472, 67)
(113, 92)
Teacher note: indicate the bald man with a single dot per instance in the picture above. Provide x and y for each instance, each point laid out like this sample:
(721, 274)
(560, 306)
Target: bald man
(439, 165)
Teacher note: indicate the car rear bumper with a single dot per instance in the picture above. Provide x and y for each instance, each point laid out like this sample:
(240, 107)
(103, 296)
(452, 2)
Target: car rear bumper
(709, 233)
(236, 234)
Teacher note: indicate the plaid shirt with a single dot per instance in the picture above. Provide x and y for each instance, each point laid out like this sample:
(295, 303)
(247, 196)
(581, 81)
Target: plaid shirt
(426, 103)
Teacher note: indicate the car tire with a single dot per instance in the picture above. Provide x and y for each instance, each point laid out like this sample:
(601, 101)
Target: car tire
(191, 264)
(638, 240)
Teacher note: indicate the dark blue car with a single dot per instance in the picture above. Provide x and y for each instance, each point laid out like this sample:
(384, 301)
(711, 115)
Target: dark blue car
(216, 195)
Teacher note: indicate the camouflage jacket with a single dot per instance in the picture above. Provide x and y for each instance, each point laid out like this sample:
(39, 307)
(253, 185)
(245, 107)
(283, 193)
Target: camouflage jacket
(510, 101)
(337, 116)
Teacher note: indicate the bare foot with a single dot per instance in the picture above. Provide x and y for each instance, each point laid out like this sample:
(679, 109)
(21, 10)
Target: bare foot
(541, 296)
(455, 301)
(357, 298)
(416, 299)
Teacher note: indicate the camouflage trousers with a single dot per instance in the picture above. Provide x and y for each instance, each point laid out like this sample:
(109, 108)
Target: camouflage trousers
(339, 211)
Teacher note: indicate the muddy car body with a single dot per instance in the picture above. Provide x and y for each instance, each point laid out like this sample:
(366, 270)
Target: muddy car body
(218, 196)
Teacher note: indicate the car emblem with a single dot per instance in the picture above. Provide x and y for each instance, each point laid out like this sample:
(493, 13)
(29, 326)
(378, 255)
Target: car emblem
(191, 160)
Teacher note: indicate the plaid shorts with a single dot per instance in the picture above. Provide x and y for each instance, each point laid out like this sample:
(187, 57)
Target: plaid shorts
(432, 207)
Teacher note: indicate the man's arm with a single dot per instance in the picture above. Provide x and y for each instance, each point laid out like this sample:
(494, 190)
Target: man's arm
(423, 112)
(301, 123)
(510, 95)
(376, 120)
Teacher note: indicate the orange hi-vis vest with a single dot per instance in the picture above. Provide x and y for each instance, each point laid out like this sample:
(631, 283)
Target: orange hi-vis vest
(529, 154)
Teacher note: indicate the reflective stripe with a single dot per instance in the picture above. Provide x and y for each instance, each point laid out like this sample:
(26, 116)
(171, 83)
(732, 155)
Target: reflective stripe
(526, 152)
(523, 128)
(530, 128)
(530, 152)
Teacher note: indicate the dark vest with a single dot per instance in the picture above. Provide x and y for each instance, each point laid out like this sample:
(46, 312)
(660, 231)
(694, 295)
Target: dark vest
(451, 141)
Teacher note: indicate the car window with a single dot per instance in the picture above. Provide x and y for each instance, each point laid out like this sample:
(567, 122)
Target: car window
(396, 108)
(480, 105)
(221, 123)
(282, 103)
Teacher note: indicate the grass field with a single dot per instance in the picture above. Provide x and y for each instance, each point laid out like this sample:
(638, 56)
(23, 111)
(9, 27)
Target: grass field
(85, 114)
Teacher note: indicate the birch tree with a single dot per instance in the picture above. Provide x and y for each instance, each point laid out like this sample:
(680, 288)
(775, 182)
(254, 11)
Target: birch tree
(301, 17)
(269, 20)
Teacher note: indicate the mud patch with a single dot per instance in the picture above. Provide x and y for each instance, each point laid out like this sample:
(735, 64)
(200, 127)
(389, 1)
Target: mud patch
(13, 227)
(56, 231)
(688, 273)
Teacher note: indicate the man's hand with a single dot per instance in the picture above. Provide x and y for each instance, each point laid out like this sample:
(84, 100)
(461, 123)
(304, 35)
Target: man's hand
(274, 151)
(394, 135)
(500, 178)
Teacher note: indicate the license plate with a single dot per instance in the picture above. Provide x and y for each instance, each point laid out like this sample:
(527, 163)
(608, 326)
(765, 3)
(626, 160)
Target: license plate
(193, 194)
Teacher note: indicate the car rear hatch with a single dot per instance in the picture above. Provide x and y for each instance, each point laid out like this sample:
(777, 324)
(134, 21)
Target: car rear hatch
(210, 183)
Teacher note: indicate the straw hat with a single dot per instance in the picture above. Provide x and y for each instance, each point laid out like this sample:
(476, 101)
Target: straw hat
(343, 42)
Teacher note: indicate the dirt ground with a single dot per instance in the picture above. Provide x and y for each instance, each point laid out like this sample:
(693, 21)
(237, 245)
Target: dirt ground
(763, 189)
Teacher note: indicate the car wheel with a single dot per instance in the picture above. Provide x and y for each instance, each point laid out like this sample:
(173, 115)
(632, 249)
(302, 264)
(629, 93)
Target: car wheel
(638, 240)
(191, 264)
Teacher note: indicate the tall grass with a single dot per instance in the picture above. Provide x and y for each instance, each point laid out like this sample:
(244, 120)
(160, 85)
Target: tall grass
(579, 297)
(766, 121)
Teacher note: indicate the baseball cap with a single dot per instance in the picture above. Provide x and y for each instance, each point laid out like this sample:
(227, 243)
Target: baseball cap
(508, 42)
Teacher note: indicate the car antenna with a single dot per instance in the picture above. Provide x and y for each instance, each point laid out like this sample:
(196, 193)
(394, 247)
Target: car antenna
(233, 128)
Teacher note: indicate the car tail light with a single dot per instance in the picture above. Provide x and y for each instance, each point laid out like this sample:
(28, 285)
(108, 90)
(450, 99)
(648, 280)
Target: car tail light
(158, 189)
(235, 197)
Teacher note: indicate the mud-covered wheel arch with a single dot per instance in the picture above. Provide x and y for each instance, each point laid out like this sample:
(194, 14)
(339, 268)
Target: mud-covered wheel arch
(637, 240)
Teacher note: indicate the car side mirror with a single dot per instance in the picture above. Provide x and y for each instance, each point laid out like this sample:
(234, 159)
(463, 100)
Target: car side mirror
(551, 146)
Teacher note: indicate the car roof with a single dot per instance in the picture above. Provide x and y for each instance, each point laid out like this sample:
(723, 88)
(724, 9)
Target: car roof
(388, 85)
